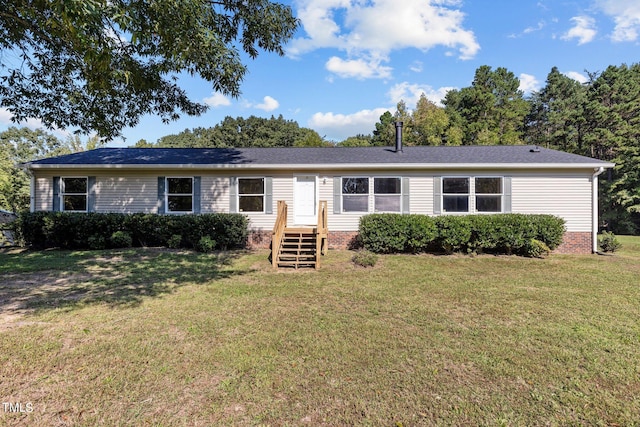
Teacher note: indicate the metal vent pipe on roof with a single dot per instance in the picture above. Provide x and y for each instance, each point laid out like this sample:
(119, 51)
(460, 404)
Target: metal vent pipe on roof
(399, 137)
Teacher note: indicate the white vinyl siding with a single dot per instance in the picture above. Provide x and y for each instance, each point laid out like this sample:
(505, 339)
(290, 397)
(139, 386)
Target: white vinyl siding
(43, 197)
(137, 193)
(214, 194)
(565, 195)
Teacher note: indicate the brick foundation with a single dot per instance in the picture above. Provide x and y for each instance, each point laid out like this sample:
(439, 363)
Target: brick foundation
(573, 242)
(259, 239)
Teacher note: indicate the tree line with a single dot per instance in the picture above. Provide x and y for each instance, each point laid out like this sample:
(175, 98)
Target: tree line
(599, 118)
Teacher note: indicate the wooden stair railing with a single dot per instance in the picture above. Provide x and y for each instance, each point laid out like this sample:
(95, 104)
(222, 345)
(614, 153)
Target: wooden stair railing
(298, 246)
(278, 232)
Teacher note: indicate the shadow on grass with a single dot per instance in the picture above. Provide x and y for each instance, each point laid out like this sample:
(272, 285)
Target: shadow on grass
(41, 281)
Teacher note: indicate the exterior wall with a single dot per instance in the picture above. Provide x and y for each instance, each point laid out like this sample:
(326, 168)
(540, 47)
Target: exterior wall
(564, 194)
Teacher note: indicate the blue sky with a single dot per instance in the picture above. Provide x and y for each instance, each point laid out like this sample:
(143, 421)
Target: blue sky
(352, 60)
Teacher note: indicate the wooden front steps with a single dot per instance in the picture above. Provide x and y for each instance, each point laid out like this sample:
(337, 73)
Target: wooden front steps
(298, 247)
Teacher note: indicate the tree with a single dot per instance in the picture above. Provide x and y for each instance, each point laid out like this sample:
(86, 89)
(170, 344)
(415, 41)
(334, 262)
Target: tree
(311, 138)
(21, 145)
(246, 132)
(492, 110)
(359, 140)
(430, 123)
(100, 65)
(612, 120)
(385, 131)
(556, 118)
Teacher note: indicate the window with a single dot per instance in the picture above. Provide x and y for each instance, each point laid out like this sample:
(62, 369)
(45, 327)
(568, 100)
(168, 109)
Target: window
(455, 194)
(488, 194)
(355, 194)
(179, 194)
(387, 194)
(251, 194)
(74, 194)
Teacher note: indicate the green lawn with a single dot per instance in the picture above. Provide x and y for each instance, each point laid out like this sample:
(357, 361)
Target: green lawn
(157, 337)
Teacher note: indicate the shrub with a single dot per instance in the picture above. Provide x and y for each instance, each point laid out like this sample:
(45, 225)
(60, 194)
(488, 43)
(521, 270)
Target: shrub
(389, 233)
(383, 233)
(365, 258)
(608, 242)
(527, 235)
(206, 244)
(95, 230)
(534, 248)
(121, 239)
(96, 242)
(454, 233)
(174, 241)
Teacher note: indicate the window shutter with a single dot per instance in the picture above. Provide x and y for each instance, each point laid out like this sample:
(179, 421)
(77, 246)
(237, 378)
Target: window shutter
(405, 196)
(506, 182)
(196, 195)
(233, 195)
(437, 195)
(337, 194)
(56, 193)
(268, 195)
(91, 194)
(161, 199)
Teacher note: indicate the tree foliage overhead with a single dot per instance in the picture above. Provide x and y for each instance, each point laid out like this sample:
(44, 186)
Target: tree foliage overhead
(100, 65)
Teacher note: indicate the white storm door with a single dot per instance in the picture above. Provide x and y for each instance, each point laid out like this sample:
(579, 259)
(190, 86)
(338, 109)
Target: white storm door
(305, 200)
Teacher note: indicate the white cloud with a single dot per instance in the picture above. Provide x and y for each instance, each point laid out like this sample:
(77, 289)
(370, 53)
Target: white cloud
(528, 83)
(410, 93)
(358, 68)
(576, 76)
(217, 100)
(268, 104)
(341, 126)
(417, 67)
(373, 29)
(626, 15)
(583, 30)
(6, 119)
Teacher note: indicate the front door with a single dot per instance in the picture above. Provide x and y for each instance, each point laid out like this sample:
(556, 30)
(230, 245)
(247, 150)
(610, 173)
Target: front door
(305, 200)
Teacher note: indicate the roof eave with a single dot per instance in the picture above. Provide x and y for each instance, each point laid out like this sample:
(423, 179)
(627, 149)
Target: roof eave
(328, 166)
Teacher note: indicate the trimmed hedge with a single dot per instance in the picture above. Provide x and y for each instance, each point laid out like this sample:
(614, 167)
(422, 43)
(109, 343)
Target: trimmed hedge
(528, 235)
(67, 230)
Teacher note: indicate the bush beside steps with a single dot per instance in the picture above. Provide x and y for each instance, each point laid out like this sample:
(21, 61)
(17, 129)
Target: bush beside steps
(518, 234)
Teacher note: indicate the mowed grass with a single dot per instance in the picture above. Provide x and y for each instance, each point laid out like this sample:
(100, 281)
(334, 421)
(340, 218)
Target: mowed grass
(154, 337)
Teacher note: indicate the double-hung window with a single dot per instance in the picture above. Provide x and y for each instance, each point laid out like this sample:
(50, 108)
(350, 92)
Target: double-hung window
(355, 194)
(74, 194)
(488, 194)
(179, 195)
(472, 194)
(251, 194)
(387, 194)
(455, 194)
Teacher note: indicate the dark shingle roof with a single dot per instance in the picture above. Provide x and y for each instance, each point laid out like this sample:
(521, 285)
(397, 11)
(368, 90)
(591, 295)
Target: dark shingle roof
(255, 157)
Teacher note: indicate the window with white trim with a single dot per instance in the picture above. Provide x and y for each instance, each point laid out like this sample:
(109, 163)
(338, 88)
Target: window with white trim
(455, 194)
(488, 191)
(387, 194)
(251, 194)
(179, 194)
(355, 194)
(74, 193)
